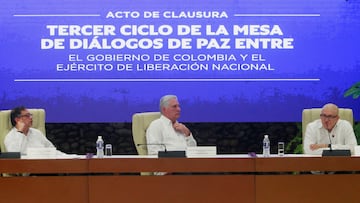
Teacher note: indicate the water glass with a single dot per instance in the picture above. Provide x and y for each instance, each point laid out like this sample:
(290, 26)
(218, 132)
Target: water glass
(281, 148)
(108, 150)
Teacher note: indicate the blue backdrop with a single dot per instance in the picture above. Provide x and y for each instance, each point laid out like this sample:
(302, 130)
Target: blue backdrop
(228, 61)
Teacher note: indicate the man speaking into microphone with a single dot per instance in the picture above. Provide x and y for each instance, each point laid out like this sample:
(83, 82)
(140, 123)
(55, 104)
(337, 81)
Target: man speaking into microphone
(166, 132)
(329, 132)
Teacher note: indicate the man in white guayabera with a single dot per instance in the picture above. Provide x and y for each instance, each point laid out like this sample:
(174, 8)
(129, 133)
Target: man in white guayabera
(166, 131)
(329, 132)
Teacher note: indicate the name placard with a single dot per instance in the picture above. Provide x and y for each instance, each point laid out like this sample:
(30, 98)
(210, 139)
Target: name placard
(41, 153)
(201, 151)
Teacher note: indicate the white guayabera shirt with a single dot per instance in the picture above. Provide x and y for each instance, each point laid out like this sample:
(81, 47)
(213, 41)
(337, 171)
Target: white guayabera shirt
(342, 136)
(161, 133)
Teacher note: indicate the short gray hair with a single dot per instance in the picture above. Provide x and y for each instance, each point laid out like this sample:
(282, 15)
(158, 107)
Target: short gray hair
(164, 101)
(331, 107)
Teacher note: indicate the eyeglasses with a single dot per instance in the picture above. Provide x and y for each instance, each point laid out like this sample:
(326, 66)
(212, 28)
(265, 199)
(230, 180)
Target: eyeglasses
(28, 115)
(324, 116)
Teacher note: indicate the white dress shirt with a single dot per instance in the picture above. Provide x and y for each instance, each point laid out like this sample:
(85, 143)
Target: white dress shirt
(18, 142)
(341, 136)
(161, 133)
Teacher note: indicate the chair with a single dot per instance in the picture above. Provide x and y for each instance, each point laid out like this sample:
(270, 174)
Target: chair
(140, 122)
(5, 123)
(309, 115)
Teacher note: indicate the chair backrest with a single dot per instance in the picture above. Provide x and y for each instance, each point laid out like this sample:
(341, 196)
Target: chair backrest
(309, 115)
(140, 123)
(5, 123)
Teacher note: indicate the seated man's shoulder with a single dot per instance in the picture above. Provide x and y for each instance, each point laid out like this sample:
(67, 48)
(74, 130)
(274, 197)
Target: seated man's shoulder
(344, 122)
(316, 122)
(11, 130)
(155, 122)
(11, 133)
(35, 131)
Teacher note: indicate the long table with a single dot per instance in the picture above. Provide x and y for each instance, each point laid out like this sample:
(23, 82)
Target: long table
(229, 178)
(47, 184)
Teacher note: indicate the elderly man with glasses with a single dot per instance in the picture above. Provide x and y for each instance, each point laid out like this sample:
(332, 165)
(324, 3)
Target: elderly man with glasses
(22, 136)
(329, 132)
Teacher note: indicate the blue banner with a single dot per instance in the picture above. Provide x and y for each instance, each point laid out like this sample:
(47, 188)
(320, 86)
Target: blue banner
(227, 61)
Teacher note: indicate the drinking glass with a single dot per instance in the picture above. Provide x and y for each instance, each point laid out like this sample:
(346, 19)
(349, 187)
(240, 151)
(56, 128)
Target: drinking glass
(281, 148)
(108, 150)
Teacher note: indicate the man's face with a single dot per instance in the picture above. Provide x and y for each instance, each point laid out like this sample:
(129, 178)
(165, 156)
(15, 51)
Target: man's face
(25, 117)
(329, 118)
(172, 111)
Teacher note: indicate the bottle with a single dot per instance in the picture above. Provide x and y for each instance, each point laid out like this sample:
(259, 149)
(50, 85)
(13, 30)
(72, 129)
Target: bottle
(100, 147)
(266, 146)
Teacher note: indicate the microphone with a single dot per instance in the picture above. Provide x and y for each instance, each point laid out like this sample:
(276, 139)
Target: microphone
(330, 141)
(166, 153)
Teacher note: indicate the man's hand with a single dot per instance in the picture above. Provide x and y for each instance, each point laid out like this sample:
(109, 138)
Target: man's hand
(20, 126)
(317, 146)
(181, 128)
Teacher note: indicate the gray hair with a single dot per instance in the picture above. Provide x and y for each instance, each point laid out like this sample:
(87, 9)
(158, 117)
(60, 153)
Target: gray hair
(331, 107)
(164, 101)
